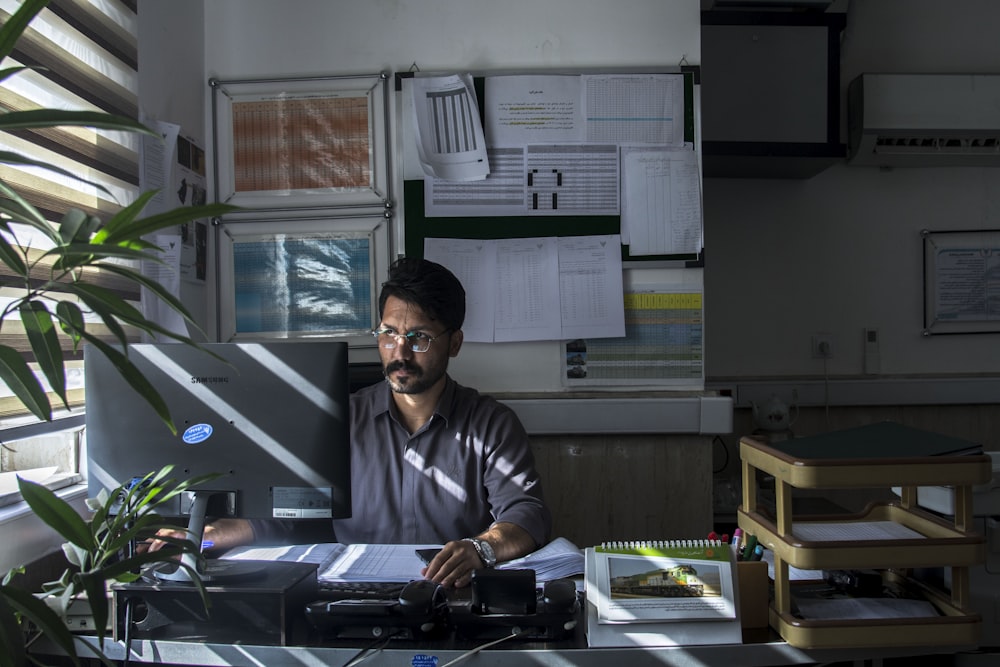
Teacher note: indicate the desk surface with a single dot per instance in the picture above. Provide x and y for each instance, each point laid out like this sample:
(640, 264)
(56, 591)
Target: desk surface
(511, 654)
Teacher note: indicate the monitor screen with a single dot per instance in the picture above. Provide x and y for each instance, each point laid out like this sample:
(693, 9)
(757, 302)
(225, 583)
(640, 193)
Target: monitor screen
(274, 421)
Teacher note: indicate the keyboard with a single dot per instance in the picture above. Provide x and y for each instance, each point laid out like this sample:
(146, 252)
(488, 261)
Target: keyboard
(360, 590)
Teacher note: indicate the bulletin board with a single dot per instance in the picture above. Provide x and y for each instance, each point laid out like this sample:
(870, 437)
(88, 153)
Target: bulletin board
(418, 226)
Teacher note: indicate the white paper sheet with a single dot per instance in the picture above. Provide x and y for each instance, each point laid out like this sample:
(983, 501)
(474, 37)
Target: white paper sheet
(474, 263)
(590, 286)
(533, 109)
(450, 140)
(661, 202)
(544, 288)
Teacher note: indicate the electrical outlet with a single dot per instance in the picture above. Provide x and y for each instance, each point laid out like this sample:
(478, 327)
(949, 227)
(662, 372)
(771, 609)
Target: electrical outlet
(822, 346)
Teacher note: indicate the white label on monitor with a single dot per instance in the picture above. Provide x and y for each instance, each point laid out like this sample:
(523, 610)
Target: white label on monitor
(302, 502)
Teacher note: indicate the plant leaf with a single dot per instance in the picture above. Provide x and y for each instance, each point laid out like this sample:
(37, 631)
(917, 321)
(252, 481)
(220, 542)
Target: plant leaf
(150, 284)
(100, 303)
(16, 159)
(12, 257)
(77, 227)
(27, 213)
(71, 320)
(46, 118)
(18, 22)
(124, 217)
(136, 380)
(48, 621)
(20, 379)
(44, 341)
(95, 585)
(136, 229)
(57, 513)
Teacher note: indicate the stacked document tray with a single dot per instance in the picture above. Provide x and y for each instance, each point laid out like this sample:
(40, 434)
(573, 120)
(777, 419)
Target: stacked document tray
(891, 538)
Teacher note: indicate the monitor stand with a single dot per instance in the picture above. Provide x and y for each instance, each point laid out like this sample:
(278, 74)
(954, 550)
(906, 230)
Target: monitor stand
(214, 571)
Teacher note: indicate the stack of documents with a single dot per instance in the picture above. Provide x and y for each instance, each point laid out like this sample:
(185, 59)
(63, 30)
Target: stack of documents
(400, 563)
(557, 559)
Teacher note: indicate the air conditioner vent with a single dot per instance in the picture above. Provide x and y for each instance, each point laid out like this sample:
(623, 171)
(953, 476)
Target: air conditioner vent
(924, 120)
(894, 145)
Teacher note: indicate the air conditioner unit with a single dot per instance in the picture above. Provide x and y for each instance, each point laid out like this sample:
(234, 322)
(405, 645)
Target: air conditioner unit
(924, 120)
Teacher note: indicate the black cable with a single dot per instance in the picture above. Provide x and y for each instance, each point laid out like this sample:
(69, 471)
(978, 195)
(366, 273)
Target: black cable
(129, 604)
(471, 652)
(725, 450)
(374, 647)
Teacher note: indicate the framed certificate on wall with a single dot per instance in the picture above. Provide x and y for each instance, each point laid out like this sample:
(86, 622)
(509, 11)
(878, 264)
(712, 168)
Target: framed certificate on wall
(302, 142)
(301, 277)
(961, 281)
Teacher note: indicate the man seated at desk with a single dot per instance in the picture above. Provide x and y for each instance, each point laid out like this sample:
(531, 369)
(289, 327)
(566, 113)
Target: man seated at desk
(432, 462)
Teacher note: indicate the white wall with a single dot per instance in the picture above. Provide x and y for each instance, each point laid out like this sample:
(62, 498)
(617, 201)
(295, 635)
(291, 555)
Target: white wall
(786, 258)
(842, 251)
(262, 38)
(172, 88)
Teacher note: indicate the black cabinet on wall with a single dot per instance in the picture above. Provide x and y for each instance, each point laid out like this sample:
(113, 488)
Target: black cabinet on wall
(770, 93)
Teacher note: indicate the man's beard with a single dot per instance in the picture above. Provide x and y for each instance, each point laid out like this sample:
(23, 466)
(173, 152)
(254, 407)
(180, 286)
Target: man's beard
(420, 379)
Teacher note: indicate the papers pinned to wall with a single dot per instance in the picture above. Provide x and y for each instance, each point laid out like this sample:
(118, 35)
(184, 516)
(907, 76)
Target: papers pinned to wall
(450, 140)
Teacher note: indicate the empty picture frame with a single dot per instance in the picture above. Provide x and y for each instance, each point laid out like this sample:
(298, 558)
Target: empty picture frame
(301, 142)
(301, 277)
(961, 281)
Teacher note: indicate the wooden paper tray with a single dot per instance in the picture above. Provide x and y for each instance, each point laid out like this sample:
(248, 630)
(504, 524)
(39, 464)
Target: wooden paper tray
(953, 627)
(941, 545)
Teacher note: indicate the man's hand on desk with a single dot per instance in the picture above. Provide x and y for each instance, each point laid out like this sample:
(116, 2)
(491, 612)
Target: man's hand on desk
(454, 564)
(221, 534)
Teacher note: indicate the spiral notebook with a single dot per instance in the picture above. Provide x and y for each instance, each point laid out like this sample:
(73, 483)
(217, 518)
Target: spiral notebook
(661, 593)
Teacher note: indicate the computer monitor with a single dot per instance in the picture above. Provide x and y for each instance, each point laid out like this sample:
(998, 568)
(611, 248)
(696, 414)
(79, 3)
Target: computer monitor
(274, 421)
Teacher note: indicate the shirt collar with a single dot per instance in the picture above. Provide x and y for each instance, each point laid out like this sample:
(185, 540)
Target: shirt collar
(444, 408)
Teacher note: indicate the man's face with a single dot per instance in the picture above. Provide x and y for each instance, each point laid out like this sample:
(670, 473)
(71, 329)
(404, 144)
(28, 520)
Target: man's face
(406, 371)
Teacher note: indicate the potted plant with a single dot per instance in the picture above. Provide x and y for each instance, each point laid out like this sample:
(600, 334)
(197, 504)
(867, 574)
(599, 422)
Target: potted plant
(79, 241)
(99, 551)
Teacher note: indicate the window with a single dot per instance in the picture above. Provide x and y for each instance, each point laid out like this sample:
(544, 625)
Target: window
(85, 55)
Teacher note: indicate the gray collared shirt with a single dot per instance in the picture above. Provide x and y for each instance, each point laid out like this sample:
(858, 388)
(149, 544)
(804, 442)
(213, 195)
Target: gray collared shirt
(471, 465)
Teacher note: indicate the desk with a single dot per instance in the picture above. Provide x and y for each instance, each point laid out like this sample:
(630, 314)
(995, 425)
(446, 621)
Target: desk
(562, 654)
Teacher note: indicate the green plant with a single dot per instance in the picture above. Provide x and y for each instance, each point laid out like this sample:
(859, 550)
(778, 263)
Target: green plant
(80, 241)
(53, 293)
(94, 550)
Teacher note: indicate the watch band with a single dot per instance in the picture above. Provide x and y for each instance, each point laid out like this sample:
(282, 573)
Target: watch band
(484, 549)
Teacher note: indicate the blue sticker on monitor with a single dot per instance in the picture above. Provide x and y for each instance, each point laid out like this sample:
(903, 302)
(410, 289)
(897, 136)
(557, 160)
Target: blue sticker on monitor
(197, 433)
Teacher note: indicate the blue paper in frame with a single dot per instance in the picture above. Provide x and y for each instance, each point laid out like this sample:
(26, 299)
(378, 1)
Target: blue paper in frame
(302, 142)
(309, 279)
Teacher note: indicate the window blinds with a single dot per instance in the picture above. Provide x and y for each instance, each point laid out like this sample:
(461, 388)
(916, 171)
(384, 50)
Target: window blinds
(84, 55)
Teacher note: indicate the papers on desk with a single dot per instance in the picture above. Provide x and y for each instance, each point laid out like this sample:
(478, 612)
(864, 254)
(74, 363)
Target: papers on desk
(557, 559)
(865, 608)
(853, 531)
(400, 563)
(346, 562)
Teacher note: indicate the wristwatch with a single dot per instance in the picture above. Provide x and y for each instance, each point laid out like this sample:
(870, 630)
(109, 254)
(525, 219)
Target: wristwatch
(485, 551)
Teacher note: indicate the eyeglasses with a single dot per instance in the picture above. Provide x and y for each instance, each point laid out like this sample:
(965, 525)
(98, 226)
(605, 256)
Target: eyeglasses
(415, 340)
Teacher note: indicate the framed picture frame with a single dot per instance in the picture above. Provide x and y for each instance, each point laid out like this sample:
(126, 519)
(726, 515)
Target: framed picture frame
(301, 277)
(961, 281)
(308, 142)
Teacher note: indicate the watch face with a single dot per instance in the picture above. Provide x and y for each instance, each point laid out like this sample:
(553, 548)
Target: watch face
(485, 551)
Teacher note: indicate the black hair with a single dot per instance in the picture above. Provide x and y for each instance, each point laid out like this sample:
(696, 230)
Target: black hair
(428, 285)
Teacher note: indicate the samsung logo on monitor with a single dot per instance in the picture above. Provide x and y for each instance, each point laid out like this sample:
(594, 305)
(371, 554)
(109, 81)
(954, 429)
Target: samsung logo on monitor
(210, 379)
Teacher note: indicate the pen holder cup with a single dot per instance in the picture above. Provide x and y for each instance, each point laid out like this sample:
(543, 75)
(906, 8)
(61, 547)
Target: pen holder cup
(754, 585)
